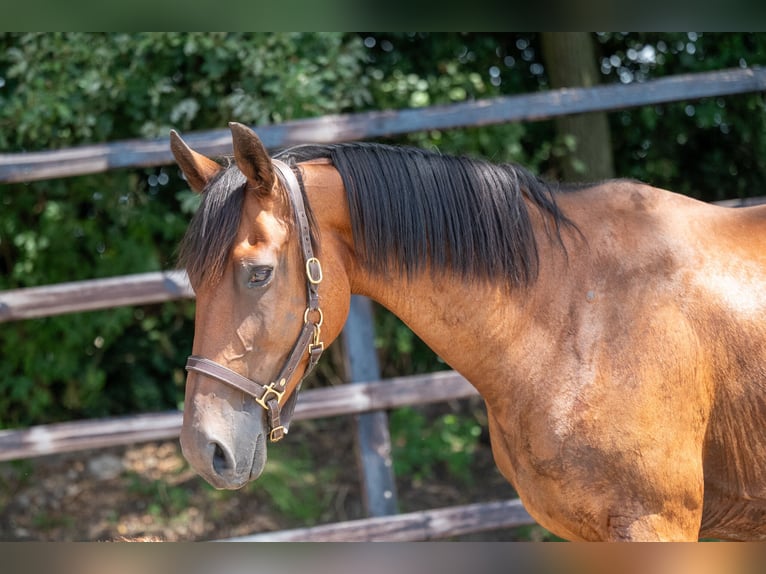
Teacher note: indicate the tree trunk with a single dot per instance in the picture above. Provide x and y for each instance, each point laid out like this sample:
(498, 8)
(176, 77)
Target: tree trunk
(570, 61)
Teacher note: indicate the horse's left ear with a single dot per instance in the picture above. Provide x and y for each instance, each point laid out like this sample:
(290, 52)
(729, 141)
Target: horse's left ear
(252, 158)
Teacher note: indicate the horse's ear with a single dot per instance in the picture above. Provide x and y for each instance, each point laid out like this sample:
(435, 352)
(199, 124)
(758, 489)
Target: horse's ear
(252, 158)
(197, 168)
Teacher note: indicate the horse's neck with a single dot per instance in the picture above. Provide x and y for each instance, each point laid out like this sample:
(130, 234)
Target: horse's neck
(468, 325)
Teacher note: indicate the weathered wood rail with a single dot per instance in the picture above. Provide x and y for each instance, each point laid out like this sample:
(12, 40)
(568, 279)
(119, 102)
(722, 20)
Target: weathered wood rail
(424, 525)
(16, 167)
(358, 398)
(366, 400)
(93, 294)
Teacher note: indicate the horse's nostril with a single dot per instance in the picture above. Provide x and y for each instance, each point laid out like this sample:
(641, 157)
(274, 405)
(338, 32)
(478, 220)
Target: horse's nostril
(220, 460)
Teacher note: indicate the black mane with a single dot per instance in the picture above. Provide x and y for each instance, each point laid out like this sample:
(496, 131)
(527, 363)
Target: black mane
(413, 209)
(208, 240)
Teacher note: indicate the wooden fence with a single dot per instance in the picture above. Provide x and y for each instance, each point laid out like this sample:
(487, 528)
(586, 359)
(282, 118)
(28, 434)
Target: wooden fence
(367, 398)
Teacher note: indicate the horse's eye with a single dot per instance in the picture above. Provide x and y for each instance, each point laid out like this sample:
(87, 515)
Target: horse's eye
(258, 275)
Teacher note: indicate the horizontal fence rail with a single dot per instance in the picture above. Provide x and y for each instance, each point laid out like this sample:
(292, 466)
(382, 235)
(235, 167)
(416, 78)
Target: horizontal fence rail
(93, 294)
(32, 166)
(312, 404)
(414, 526)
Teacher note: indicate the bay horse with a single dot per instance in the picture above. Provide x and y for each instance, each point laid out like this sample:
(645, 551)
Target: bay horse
(615, 331)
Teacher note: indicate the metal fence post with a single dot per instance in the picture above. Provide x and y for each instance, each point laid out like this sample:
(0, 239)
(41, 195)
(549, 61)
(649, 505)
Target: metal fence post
(373, 438)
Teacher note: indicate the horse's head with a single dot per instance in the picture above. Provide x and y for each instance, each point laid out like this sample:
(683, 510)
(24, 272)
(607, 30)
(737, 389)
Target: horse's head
(259, 326)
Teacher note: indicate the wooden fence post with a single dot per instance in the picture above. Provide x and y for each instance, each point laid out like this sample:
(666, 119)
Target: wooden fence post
(373, 438)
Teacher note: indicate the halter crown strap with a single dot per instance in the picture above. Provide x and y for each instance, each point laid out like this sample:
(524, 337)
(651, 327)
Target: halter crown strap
(313, 268)
(309, 340)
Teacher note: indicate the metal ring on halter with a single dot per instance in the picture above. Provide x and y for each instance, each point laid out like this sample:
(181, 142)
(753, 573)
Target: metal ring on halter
(306, 316)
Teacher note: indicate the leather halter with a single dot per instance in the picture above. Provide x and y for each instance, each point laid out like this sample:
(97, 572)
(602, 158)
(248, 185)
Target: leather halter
(270, 396)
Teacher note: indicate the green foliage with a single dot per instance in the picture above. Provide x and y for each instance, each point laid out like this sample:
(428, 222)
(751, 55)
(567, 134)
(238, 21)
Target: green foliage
(415, 70)
(713, 148)
(422, 447)
(68, 88)
(400, 351)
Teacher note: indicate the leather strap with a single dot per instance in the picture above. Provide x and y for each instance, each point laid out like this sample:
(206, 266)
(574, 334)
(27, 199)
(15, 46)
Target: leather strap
(299, 209)
(313, 268)
(217, 371)
(309, 341)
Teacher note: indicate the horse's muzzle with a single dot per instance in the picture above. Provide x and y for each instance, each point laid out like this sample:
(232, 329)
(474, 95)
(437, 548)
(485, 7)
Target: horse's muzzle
(229, 449)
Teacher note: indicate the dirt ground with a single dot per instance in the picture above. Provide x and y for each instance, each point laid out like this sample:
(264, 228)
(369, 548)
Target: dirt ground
(148, 491)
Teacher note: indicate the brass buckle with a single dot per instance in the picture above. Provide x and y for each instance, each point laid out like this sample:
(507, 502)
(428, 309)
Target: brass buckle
(277, 434)
(314, 346)
(314, 280)
(269, 390)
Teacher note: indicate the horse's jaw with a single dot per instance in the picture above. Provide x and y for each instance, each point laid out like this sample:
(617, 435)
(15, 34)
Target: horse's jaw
(229, 449)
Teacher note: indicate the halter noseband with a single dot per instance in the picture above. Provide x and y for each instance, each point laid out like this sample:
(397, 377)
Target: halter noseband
(309, 341)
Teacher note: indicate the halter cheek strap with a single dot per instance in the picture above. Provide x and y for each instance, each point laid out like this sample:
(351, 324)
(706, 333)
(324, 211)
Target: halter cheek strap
(270, 397)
